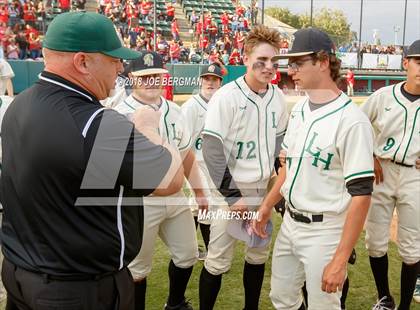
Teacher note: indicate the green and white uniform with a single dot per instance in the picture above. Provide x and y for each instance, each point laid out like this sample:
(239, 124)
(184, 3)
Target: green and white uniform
(396, 121)
(327, 148)
(194, 111)
(169, 217)
(247, 124)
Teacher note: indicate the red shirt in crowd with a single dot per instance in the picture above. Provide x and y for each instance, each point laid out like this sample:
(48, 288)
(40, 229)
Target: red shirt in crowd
(64, 4)
(277, 78)
(174, 51)
(28, 13)
(350, 77)
(234, 58)
(240, 10)
(168, 89)
(199, 27)
(213, 28)
(174, 27)
(170, 10)
(145, 7)
(225, 19)
(204, 42)
(4, 15)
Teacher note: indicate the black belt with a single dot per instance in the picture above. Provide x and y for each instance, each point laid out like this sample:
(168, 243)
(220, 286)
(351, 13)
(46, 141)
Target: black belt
(299, 217)
(401, 164)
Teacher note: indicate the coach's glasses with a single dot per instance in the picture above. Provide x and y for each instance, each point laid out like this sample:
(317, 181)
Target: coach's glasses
(296, 65)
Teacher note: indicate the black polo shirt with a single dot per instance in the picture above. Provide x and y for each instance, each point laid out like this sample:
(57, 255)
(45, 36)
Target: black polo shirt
(72, 204)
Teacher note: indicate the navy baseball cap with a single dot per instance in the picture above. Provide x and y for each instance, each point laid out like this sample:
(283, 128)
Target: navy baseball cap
(308, 41)
(241, 230)
(148, 63)
(413, 50)
(214, 70)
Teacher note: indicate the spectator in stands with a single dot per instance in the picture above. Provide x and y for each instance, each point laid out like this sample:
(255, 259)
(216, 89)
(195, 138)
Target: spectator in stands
(214, 56)
(235, 57)
(204, 43)
(350, 82)
(174, 52)
(225, 57)
(170, 12)
(14, 14)
(194, 18)
(23, 45)
(354, 48)
(40, 12)
(162, 47)
(34, 46)
(239, 41)
(234, 24)
(220, 44)
(29, 13)
(12, 50)
(212, 30)
(175, 30)
(145, 8)
(4, 14)
(80, 5)
(64, 5)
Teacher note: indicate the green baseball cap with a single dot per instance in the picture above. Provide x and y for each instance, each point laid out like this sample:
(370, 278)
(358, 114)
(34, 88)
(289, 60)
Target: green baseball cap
(86, 32)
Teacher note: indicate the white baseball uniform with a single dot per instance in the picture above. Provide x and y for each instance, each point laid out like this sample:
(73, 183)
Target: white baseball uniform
(326, 148)
(247, 125)
(169, 217)
(396, 121)
(194, 111)
(6, 73)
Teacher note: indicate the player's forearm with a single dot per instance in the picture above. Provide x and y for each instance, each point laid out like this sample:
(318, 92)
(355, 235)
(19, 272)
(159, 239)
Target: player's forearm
(192, 173)
(356, 216)
(274, 196)
(9, 88)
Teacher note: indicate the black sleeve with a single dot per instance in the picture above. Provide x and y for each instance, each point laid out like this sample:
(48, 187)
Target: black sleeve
(360, 186)
(277, 164)
(117, 154)
(219, 172)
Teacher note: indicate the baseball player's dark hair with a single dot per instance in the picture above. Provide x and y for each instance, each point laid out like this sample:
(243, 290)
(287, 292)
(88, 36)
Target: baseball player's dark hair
(261, 34)
(335, 64)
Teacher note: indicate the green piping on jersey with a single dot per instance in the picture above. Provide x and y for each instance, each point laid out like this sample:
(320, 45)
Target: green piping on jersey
(258, 132)
(359, 173)
(405, 121)
(181, 148)
(266, 129)
(281, 133)
(212, 133)
(304, 146)
(198, 101)
(164, 120)
(411, 135)
(129, 105)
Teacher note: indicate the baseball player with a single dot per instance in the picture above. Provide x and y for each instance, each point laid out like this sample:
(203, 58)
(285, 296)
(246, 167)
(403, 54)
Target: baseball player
(246, 120)
(194, 111)
(326, 182)
(394, 113)
(169, 217)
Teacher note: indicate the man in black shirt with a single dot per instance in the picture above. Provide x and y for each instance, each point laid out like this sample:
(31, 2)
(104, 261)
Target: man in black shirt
(74, 173)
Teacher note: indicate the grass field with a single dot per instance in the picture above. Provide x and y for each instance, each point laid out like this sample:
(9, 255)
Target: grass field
(362, 294)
